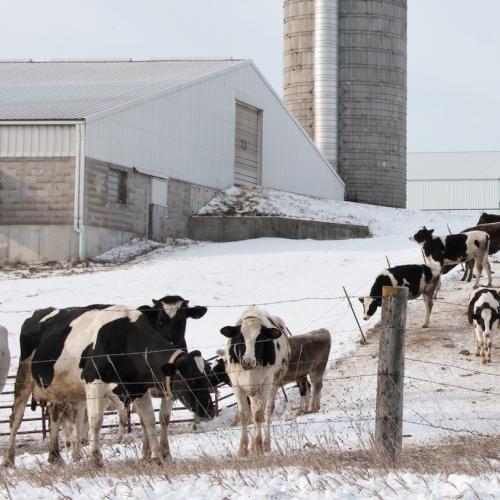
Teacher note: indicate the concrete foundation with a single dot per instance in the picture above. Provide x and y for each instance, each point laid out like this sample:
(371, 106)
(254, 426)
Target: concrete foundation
(32, 243)
(214, 228)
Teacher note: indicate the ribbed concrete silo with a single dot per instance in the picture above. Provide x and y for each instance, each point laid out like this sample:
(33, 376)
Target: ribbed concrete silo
(354, 103)
(298, 61)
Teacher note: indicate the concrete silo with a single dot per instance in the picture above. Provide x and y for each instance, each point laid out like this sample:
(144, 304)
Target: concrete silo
(354, 92)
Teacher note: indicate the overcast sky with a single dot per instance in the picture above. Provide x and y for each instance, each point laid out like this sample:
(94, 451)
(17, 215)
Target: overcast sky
(453, 50)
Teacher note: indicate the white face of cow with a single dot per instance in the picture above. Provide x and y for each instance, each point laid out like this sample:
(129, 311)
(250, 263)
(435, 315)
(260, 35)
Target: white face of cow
(369, 307)
(171, 309)
(250, 329)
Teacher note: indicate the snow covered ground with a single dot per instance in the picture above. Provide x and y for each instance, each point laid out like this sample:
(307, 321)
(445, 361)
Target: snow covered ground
(225, 276)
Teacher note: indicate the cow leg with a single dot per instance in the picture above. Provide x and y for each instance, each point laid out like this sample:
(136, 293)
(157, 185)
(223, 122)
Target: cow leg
(146, 450)
(268, 402)
(121, 410)
(479, 335)
(487, 266)
(76, 441)
(22, 390)
(244, 416)
(96, 404)
(479, 270)
(257, 409)
(165, 412)
(55, 415)
(305, 394)
(317, 385)
(428, 308)
(469, 270)
(437, 288)
(144, 407)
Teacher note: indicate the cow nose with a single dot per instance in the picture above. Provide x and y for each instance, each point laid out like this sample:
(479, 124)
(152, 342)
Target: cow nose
(365, 317)
(248, 364)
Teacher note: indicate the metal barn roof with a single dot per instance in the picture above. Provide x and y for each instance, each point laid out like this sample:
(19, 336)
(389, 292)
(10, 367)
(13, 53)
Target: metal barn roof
(458, 165)
(70, 90)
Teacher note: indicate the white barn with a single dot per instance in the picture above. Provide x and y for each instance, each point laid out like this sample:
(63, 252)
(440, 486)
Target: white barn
(93, 153)
(460, 181)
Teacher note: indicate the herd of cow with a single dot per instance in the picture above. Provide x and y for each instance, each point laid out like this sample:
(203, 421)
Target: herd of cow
(80, 360)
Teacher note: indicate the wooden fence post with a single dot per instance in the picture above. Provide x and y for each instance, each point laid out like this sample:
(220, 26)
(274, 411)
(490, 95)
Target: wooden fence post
(391, 362)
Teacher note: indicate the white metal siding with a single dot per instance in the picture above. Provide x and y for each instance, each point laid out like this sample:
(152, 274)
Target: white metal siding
(454, 194)
(246, 145)
(189, 135)
(40, 141)
(159, 192)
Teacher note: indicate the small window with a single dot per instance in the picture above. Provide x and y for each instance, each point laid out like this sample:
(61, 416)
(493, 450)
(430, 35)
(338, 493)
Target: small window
(117, 186)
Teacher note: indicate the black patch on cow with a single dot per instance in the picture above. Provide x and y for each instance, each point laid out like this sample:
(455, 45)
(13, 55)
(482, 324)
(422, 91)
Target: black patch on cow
(31, 331)
(278, 346)
(474, 312)
(172, 329)
(265, 353)
(477, 243)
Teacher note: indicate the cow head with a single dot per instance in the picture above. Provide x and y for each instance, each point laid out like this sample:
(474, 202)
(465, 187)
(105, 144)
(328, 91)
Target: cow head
(248, 341)
(189, 383)
(370, 305)
(422, 235)
(173, 312)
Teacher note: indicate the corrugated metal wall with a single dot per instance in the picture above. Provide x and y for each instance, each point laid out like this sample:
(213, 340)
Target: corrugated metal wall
(454, 194)
(37, 141)
(189, 135)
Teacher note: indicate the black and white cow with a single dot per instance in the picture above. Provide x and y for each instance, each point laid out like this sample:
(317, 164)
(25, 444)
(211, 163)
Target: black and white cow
(4, 356)
(169, 317)
(309, 353)
(83, 356)
(256, 359)
(456, 248)
(420, 279)
(484, 316)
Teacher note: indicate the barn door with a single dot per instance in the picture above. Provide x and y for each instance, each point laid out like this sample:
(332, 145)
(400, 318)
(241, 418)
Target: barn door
(158, 210)
(247, 145)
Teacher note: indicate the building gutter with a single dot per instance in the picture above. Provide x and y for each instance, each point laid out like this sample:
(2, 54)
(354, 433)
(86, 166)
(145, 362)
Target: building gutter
(79, 206)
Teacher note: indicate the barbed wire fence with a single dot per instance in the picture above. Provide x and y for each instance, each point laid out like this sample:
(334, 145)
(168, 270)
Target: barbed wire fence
(226, 401)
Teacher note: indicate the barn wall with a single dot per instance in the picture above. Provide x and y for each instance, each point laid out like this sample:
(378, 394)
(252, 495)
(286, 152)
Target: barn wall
(37, 190)
(132, 216)
(189, 135)
(454, 194)
(37, 141)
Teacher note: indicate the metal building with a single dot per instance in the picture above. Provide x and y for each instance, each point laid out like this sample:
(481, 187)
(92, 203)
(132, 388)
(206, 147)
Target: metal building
(345, 81)
(459, 182)
(93, 153)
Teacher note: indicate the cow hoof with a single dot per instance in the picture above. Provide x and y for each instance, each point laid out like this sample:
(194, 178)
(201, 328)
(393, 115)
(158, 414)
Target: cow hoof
(243, 452)
(426, 325)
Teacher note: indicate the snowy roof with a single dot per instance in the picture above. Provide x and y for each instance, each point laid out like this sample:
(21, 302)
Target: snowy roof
(66, 90)
(458, 165)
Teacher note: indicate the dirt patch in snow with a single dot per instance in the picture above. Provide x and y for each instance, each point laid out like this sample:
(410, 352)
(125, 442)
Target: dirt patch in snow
(447, 390)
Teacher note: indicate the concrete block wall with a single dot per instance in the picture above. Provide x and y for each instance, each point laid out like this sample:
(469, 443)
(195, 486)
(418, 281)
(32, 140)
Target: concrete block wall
(37, 190)
(131, 217)
(183, 200)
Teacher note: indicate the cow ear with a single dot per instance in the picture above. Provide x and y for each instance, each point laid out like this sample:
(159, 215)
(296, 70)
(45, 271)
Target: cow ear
(193, 354)
(155, 302)
(270, 333)
(196, 312)
(230, 331)
(168, 369)
(431, 231)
